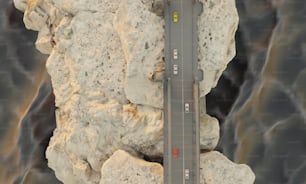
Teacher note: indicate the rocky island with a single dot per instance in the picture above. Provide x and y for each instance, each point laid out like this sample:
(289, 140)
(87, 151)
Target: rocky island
(109, 113)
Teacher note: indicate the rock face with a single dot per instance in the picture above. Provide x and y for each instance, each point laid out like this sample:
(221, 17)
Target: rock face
(216, 169)
(210, 130)
(121, 167)
(102, 54)
(143, 50)
(217, 27)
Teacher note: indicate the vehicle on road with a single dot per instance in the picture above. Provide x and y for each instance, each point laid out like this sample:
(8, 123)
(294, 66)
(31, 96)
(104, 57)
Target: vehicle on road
(175, 152)
(186, 107)
(175, 54)
(175, 69)
(175, 17)
(187, 174)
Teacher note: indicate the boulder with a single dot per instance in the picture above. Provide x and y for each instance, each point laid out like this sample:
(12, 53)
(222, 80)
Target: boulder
(122, 167)
(217, 26)
(143, 49)
(209, 132)
(216, 169)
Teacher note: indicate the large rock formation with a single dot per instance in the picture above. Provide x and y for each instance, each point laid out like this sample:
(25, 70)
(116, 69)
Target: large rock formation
(210, 130)
(217, 27)
(101, 56)
(143, 51)
(217, 169)
(121, 167)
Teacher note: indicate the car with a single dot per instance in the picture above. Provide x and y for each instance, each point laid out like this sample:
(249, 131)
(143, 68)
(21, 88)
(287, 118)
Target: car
(175, 69)
(187, 174)
(175, 17)
(175, 152)
(186, 107)
(175, 54)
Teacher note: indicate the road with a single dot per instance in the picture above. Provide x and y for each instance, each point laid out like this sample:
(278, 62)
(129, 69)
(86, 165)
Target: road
(181, 128)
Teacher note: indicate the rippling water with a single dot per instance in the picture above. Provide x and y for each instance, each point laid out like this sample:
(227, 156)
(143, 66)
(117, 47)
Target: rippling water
(260, 99)
(266, 126)
(26, 103)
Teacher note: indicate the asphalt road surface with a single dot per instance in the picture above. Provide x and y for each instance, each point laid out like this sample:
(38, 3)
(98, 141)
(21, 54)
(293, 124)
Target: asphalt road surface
(181, 91)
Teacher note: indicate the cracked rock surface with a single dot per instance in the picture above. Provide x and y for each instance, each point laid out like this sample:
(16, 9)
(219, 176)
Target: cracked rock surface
(121, 167)
(216, 169)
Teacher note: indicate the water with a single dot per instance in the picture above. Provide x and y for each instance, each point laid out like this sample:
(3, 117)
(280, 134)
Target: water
(26, 103)
(266, 126)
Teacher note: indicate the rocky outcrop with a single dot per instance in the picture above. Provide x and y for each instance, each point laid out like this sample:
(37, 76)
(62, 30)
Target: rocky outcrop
(102, 54)
(121, 167)
(143, 51)
(217, 27)
(210, 132)
(217, 169)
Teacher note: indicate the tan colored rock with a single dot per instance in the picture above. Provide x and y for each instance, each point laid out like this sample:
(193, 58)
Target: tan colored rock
(121, 168)
(102, 54)
(44, 42)
(87, 66)
(20, 4)
(36, 14)
(217, 169)
(209, 132)
(217, 26)
(143, 50)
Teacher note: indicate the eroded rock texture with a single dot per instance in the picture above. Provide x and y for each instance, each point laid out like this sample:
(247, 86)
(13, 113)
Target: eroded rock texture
(121, 167)
(216, 169)
(210, 131)
(217, 27)
(102, 54)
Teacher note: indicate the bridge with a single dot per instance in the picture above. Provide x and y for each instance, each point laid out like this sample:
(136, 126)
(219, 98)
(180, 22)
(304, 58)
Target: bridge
(181, 93)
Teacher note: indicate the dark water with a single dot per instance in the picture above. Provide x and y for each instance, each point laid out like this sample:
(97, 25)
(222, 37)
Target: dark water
(260, 99)
(26, 103)
(266, 126)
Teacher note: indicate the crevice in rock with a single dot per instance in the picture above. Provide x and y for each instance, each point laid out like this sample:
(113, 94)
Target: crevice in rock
(154, 6)
(157, 159)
